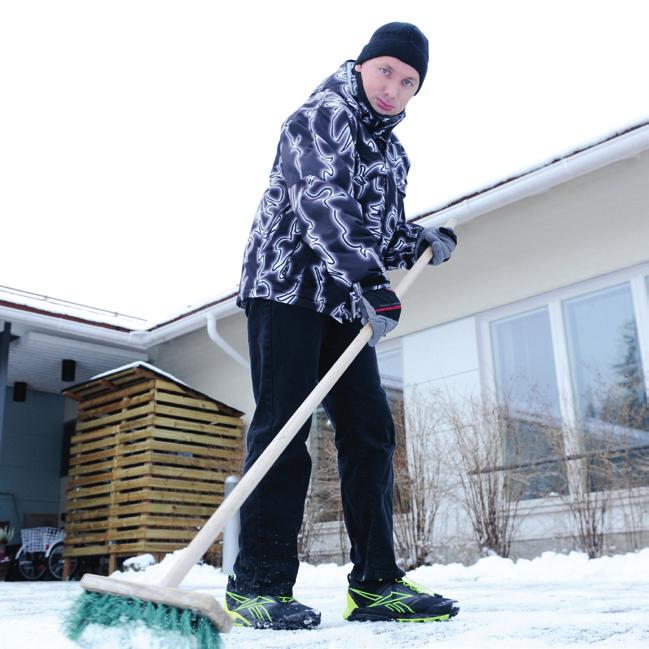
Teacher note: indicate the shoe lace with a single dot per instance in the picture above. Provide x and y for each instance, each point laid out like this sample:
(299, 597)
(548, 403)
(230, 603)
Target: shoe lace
(418, 588)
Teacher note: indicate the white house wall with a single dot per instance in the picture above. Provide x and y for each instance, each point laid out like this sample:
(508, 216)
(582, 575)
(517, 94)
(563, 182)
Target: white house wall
(587, 227)
(443, 357)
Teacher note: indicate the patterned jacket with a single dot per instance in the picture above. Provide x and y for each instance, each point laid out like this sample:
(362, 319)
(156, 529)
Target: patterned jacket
(331, 221)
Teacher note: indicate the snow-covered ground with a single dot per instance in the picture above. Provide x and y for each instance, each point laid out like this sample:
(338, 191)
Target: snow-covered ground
(552, 601)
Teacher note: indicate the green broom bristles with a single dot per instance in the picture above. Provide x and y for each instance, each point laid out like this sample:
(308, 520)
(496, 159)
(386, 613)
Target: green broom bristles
(113, 610)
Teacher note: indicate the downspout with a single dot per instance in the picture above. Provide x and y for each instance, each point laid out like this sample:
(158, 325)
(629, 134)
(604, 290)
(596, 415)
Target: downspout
(216, 338)
(5, 339)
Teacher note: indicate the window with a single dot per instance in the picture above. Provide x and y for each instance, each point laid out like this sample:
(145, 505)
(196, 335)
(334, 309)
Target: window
(571, 367)
(525, 372)
(608, 384)
(526, 383)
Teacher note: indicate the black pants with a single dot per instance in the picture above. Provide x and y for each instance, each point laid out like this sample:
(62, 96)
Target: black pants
(291, 348)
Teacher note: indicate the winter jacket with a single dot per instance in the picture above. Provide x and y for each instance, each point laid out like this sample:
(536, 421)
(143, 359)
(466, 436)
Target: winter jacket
(331, 221)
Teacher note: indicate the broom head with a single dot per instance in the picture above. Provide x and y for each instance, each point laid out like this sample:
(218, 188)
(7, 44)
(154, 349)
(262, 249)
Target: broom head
(112, 602)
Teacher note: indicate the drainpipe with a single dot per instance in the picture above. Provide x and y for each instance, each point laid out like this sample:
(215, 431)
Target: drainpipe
(216, 338)
(5, 339)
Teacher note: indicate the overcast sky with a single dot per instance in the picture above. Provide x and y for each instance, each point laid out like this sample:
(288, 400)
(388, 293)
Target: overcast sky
(136, 137)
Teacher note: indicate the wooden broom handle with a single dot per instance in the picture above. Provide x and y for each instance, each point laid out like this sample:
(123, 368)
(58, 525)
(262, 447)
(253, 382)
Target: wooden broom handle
(251, 478)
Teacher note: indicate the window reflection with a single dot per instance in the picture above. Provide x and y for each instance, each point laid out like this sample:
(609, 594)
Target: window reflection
(608, 384)
(526, 384)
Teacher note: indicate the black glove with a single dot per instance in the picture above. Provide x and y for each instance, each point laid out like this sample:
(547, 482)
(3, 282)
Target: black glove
(441, 240)
(382, 309)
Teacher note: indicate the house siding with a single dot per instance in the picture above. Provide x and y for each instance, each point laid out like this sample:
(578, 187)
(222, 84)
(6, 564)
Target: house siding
(587, 227)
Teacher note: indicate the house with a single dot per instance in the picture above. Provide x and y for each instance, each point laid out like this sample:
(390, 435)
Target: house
(545, 306)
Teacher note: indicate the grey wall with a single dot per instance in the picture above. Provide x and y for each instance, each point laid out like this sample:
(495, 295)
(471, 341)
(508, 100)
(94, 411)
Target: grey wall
(30, 456)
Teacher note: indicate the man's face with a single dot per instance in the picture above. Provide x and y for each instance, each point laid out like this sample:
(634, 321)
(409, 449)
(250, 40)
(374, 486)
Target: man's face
(389, 83)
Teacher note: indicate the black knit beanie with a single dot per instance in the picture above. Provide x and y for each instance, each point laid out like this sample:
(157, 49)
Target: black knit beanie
(404, 41)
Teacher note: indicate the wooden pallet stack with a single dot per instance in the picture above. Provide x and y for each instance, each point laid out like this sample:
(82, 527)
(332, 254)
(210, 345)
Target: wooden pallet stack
(148, 462)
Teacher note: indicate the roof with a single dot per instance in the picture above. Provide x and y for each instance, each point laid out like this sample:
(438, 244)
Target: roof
(47, 305)
(224, 297)
(33, 302)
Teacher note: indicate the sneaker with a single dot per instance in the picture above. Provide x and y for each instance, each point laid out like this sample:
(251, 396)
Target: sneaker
(399, 600)
(268, 611)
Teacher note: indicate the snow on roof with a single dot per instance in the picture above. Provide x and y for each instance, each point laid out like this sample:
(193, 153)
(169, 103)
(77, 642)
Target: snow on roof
(48, 305)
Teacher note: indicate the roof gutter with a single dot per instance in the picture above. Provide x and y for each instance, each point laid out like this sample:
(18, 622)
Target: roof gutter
(191, 323)
(137, 340)
(53, 323)
(618, 148)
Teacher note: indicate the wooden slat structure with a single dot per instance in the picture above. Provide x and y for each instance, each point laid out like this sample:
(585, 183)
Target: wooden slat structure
(148, 462)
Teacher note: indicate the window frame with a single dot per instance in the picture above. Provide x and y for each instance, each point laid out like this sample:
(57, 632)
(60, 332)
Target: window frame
(635, 277)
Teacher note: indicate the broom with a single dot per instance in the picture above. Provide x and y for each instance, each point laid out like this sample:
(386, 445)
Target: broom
(198, 617)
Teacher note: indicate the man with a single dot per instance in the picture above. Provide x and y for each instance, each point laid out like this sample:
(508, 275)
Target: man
(328, 227)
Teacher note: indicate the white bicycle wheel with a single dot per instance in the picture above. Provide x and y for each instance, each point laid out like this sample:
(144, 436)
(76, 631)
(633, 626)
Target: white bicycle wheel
(55, 562)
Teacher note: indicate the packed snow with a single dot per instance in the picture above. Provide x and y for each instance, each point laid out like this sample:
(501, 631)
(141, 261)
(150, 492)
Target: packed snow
(554, 601)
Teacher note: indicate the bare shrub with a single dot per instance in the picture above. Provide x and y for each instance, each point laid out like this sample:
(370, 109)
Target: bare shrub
(487, 459)
(588, 505)
(608, 460)
(307, 534)
(420, 480)
(323, 502)
(633, 497)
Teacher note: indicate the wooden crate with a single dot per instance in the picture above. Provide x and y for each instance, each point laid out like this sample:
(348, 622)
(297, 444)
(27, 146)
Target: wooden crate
(148, 462)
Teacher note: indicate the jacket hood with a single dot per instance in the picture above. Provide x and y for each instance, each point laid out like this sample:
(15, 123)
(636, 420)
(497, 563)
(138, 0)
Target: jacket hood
(345, 84)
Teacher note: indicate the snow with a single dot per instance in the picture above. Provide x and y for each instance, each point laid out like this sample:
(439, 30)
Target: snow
(61, 307)
(554, 601)
(139, 563)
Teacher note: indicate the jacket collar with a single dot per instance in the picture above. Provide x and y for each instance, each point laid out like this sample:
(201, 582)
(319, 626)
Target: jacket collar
(344, 82)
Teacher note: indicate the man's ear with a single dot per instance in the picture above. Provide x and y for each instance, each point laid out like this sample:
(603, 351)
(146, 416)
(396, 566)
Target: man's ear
(357, 67)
